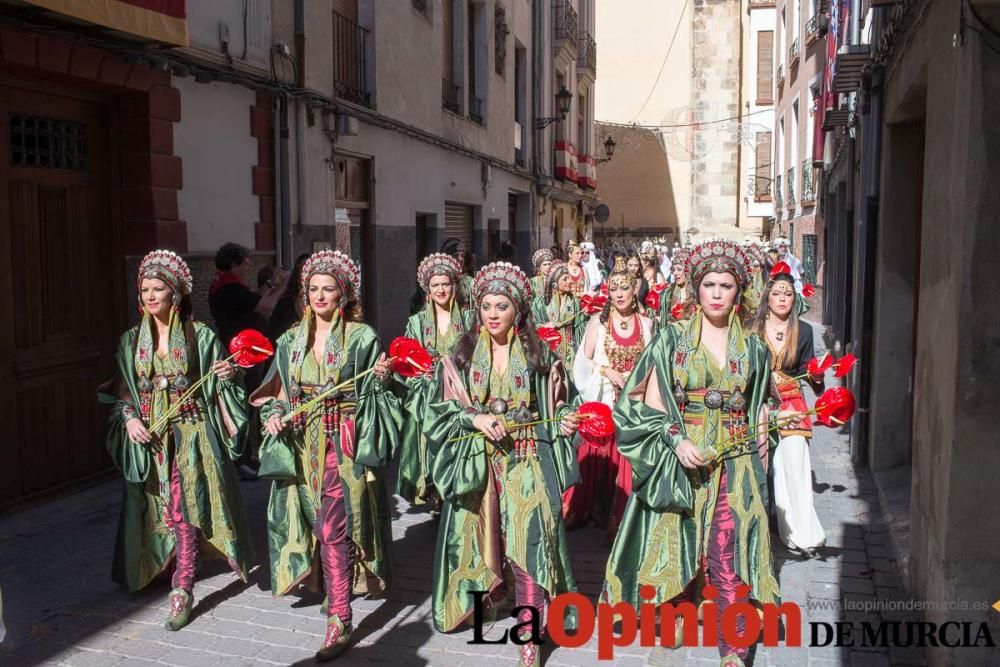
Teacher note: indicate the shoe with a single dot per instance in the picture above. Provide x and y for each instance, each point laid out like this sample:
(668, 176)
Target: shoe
(338, 637)
(678, 634)
(528, 655)
(181, 602)
(325, 607)
(245, 472)
(731, 660)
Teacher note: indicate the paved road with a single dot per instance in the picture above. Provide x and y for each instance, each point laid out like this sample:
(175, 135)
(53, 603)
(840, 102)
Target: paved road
(61, 607)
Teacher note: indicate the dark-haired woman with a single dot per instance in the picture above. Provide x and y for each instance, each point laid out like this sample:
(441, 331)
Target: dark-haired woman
(181, 493)
(502, 483)
(560, 309)
(791, 343)
(328, 503)
(613, 341)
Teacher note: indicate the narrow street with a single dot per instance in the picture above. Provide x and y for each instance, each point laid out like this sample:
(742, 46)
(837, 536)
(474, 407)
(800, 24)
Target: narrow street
(62, 608)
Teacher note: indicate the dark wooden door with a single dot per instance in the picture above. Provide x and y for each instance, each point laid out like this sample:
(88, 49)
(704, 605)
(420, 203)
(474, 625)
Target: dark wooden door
(58, 291)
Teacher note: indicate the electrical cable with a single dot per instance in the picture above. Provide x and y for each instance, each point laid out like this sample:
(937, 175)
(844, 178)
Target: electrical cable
(680, 20)
(698, 124)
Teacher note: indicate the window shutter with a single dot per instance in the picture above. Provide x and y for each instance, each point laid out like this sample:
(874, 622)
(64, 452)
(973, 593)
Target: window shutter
(765, 66)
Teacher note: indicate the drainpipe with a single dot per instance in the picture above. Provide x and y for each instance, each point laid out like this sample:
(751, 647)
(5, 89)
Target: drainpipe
(285, 204)
(536, 42)
(300, 120)
(279, 222)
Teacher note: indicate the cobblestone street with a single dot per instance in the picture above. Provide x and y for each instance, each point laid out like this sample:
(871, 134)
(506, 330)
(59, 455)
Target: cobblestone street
(61, 607)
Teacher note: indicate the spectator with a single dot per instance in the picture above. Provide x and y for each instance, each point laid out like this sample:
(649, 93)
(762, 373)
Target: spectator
(235, 306)
(289, 308)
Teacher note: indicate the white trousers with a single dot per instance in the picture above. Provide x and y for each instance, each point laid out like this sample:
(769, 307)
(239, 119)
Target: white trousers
(798, 524)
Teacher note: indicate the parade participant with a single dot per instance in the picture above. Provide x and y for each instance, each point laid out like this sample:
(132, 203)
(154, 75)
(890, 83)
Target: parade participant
(791, 343)
(577, 274)
(559, 309)
(502, 484)
(327, 461)
(542, 261)
(651, 269)
(456, 249)
(437, 328)
(634, 265)
(785, 255)
(754, 292)
(592, 265)
(611, 345)
(701, 385)
(181, 494)
(677, 302)
(665, 261)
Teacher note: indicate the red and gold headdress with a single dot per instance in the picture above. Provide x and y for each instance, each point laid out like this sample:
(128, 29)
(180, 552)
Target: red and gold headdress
(504, 279)
(167, 266)
(438, 264)
(620, 275)
(337, 264)
(718, 256)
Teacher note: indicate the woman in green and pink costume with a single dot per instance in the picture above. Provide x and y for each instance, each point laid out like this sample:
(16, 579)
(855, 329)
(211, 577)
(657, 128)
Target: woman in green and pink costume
(181, 494)
(327, 517)
(698, 506)
(502, 482)
(442, 322)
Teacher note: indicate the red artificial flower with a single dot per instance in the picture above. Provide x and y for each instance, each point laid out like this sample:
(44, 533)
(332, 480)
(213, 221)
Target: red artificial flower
(844, 365)
(835, 406)
(604, 289)
(819, 366)
(249, 348)
(592, 304)
(659, 288)
(677, 311)
(779, 268)
(597, 421)
(550, 335)
(653, 300)
(409, 358)
(808, 290)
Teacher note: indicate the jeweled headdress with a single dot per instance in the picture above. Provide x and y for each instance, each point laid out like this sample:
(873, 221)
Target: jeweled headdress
(620, 275)
(438, 264)
(337, 264)
(680, 256)
(570, 245)
(168, 267)
(540, 257)
(718, 256)
(504, 279)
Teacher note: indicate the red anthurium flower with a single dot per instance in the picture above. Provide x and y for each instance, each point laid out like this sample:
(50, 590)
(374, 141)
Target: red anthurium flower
(835, 406)
(249, 348)
(653, 300)
(604, 289)
(820, 366)
(550, 335)
(409, 358)
(659, 288)
(808, 290)
(677, 311)
(844, 365)
(597, 421)
(593, 304)
(779, 268)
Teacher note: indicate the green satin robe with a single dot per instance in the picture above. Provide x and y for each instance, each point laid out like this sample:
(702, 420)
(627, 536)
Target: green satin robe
(476, 533)
(414, 477)
(293, 505)
(664, 532)
(204, 452)
(543, 312)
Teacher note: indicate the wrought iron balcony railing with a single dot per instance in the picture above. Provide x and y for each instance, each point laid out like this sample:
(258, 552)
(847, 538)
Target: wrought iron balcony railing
(350, 64)
(790, 184)
(780, 78)
(759, 187)
(793, 51)
(808, 194)
(564, 22)
(449, 95)
(777, 191)
(476, 109)
(587, 53)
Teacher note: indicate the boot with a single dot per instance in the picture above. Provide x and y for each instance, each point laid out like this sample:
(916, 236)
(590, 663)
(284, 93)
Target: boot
(181, 602)
(529, 655)
(338, 637)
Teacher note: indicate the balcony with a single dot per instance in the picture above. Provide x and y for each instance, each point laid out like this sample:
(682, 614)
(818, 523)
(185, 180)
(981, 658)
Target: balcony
(790, 202)
(476, 110)
(587, 54)
(566, 162)
(780, 77)
(350, 64)
(793, 53)
(777, 193)
(450, 94)
(808, 195)
(759, 188)
(848, 67)
(762, 4)
(564, 24)
(813, 27)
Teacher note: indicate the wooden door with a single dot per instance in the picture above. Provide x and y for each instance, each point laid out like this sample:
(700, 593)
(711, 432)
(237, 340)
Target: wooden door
(58, 321)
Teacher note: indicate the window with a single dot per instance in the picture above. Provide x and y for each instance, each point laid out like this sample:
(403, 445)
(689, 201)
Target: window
(476, 38)
(520, 103)
(809, 249)
(47, 143)
(762, 169)
(765, 67)
(450, 90)
(581, 125)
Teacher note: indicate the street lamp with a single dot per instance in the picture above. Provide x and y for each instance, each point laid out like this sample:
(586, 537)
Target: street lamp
(609, 150)
(563, 99)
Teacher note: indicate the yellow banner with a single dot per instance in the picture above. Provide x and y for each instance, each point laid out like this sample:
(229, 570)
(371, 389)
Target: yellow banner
(126, 17)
